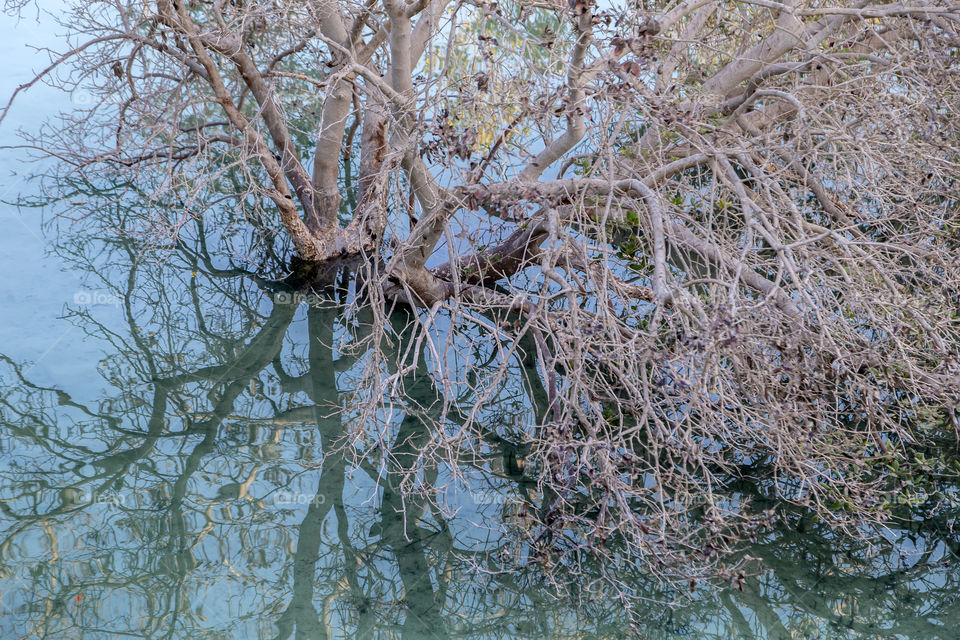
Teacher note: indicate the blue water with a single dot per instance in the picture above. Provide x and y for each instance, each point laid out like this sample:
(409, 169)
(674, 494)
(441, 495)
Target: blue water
(220, 504)
(36, 287)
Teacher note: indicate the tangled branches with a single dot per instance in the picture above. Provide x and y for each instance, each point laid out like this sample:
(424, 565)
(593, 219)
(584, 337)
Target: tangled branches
(720, 238)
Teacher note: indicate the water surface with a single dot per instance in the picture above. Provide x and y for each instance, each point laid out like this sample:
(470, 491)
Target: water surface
(179, 458)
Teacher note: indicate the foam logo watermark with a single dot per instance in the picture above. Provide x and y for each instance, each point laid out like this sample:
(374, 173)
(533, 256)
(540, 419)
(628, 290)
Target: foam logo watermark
(490, 497)
(96, 298)
(112, 498)
(88, 99)
(288, 498)
(297, 297)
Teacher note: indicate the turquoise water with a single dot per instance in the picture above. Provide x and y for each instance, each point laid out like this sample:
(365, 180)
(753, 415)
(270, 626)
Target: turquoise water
(210, 489)
(177, 461)
(36, 286)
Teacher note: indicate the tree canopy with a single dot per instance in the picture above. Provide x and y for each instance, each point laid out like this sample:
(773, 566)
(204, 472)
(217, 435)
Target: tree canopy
(721, 238)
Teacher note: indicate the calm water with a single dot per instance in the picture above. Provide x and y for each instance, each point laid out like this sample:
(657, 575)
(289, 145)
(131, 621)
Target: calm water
(211, 488)
(177, 460)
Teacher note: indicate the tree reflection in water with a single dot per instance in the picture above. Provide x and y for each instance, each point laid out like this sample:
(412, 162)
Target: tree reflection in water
(224, 487)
